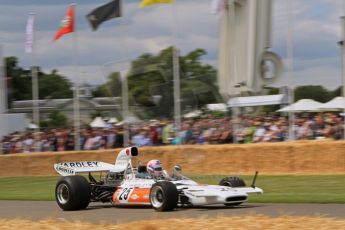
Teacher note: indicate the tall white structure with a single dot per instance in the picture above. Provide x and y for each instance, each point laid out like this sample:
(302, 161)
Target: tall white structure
(245, 64)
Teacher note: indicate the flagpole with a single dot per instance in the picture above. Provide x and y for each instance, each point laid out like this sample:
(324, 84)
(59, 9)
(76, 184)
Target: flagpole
(3, 94)
(176, 75)
(125, 102)
(76, 106)
(35, 93)
(289, 50)
(3, 85)
(343, 65)
(125, 109)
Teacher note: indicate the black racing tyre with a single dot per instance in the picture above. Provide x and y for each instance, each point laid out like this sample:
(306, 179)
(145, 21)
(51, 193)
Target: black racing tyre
(72, 193)
(163, 196)
(232, 181)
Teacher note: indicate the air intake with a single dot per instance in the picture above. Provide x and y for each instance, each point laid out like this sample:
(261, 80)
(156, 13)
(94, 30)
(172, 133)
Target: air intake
(236, 198)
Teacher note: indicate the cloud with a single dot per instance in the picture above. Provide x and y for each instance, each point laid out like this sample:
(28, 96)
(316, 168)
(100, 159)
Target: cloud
(316, 32)
(326, 76)
(82, 74)
(137, 32)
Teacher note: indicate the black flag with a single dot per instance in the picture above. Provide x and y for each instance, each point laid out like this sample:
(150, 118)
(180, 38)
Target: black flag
(104, 13)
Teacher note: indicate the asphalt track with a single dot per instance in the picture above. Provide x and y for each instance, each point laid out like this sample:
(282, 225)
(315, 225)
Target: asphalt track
(106, 213)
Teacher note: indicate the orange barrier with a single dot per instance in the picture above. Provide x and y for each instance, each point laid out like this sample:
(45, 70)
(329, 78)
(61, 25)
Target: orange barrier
(303, 157)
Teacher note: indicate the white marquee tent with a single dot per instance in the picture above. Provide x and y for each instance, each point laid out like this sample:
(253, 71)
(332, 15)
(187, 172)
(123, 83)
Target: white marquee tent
(217, 107)
(303, 105)
(113, 120)
(98, 123)
(336, 104)
(192, 114)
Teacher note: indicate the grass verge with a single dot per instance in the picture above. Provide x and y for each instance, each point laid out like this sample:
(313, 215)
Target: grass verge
(278, 189)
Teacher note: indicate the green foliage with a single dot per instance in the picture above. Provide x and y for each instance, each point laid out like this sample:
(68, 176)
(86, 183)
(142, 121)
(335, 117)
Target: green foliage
(54, 86)
(55, 120)
(151, 78)
(50, 85)
(315, 92)
(337, 92)
(44, 124)
(217, 114)
(112, 88)
(271, 108)
(94, 114)
(150, 83)
(36, 188)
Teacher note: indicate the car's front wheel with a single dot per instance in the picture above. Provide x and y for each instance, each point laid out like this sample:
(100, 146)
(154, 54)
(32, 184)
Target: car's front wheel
(163, 196)
(72, 193)
(232, 181)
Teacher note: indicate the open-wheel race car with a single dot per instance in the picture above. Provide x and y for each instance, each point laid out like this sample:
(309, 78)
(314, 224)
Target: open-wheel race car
(127, 183)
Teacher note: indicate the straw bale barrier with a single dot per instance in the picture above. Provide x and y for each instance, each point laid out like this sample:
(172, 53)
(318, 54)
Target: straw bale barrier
(302, 157)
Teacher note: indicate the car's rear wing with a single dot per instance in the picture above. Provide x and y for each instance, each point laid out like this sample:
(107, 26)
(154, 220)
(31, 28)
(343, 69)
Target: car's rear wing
(71, 168)
(122, 162)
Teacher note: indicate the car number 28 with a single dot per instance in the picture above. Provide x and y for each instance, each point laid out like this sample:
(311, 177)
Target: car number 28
(130, 195)
(124, 194)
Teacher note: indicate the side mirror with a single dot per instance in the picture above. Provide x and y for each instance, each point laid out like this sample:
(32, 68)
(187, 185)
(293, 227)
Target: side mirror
(178, 168)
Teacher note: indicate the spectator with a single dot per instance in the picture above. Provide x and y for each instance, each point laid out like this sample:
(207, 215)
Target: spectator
(206, 130)
(259, 132)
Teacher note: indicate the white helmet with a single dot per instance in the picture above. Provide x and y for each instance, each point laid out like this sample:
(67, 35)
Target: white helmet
(154, 168)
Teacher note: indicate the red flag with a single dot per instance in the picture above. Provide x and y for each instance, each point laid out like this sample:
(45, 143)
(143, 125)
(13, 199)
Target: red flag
(67, 24)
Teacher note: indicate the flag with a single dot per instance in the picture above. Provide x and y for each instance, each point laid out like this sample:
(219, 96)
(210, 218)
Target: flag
(29, 34)
(104, 13)
(67, 24)
(218, 6)
(153, 2)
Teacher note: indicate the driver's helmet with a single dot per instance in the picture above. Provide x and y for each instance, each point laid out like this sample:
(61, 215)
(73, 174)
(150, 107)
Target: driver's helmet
(154, 168)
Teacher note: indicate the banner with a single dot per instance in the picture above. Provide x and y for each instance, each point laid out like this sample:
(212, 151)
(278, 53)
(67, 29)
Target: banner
(153, 2)
(29, 34)
(104, 13)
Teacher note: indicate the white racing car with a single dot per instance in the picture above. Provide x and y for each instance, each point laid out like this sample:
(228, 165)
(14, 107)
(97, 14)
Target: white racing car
(123, 185)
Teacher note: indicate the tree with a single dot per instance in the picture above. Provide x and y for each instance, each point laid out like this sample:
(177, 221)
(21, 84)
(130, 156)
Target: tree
(19, 80)
(150, 82)
(54, 86)
(337, 92)
(112, 88)
(271, 108)
(95, 114)
(55, 120)
(50, 85)
(315, 92)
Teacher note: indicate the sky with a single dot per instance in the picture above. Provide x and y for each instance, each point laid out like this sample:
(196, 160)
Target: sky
(188, 23)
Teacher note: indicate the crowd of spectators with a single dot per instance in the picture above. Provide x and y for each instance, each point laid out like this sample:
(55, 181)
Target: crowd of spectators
(207, 130)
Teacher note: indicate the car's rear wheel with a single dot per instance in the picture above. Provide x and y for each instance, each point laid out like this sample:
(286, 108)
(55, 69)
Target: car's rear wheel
(232, 181)
(163, 196)
(72, 193)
